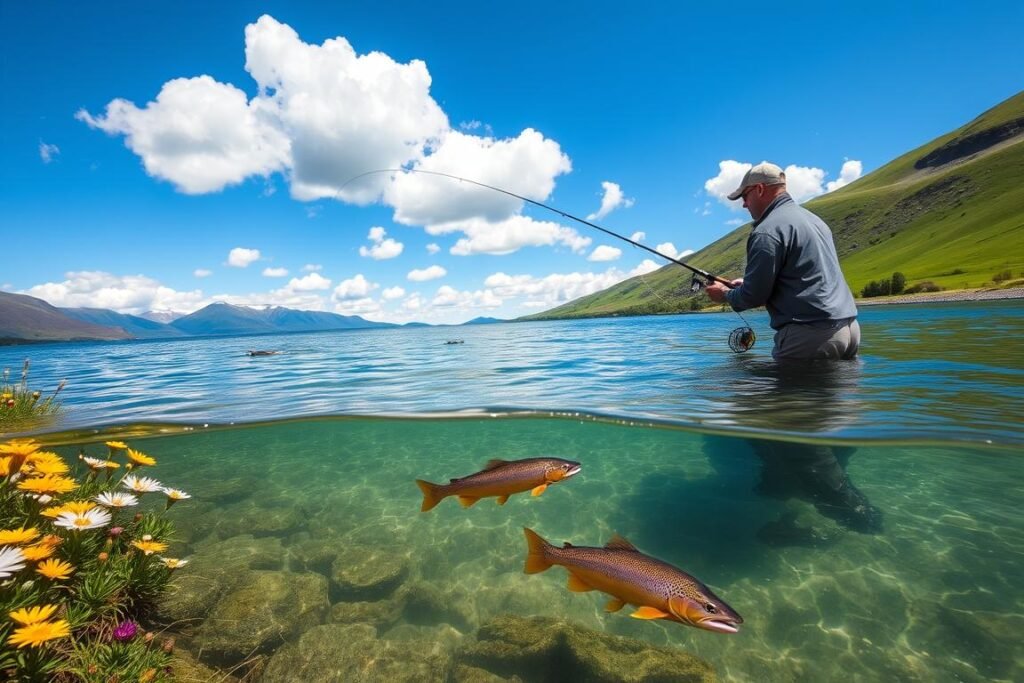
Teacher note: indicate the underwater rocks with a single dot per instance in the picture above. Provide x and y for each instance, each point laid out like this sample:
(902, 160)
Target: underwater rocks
(185, 669)
(545, 649)
(332, 653)
(261, 614)
(366, 573)
(416, 603)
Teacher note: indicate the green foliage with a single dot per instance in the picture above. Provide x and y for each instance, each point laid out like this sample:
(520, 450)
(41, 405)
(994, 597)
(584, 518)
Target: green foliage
(899, 282)
(926, 286)
(22, 408)
(110, 571)
(1002, 276)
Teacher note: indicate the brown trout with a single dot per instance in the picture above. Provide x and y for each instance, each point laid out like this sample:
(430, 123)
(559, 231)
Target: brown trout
(500, 478)
(657, 589)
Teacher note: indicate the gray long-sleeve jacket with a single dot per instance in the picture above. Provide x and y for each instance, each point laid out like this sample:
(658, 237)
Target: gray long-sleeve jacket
(793, 269)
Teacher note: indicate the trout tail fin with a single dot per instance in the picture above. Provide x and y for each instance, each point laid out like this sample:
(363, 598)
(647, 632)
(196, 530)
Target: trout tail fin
(536, 555)
(432, 494)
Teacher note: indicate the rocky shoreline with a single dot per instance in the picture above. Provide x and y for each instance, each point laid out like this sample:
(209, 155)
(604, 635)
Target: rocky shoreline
(939, 297)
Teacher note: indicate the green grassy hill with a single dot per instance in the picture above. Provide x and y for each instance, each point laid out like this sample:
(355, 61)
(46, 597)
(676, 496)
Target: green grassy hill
(950, 212)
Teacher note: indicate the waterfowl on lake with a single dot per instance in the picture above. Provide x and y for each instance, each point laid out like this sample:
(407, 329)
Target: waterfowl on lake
(262, 353)
(455, 341)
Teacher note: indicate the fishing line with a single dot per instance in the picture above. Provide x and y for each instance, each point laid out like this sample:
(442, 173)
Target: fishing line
(741, 339)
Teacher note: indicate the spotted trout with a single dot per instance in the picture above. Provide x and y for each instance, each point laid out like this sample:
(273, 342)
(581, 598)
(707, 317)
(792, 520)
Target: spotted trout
(657, 589)
(500, 478)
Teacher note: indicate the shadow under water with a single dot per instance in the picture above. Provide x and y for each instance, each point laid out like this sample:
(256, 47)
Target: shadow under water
(311, 559)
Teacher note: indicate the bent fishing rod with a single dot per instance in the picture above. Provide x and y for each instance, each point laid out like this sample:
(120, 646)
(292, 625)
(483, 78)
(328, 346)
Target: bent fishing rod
(697, 271)
(741, 339)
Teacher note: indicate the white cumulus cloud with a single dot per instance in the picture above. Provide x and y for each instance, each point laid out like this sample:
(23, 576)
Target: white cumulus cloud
(425, 274)
(802, 182)
(433, 248)
(605, 253)
(275, 272)
(241, 257)
(199, 134)
(357, 287)
(638, 236)
(852, 169)
(510, 235)
(321, 115)
(381, 248)
(612, 199)
(131, 294)
(202, 272)
(309, 283)
(312, 268)
(392, 293)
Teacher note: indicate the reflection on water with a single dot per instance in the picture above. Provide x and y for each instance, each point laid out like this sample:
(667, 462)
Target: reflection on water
(938, 372)
(812, 398)
(310, 554)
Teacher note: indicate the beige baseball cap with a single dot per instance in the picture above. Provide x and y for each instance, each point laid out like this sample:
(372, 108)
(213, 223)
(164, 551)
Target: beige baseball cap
(765, 173)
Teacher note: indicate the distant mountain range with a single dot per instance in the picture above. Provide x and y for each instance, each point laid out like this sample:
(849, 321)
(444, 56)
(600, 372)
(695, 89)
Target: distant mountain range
(950, 212)
(26, 319)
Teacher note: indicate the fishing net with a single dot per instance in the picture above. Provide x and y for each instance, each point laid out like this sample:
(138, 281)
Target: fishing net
(742, 339)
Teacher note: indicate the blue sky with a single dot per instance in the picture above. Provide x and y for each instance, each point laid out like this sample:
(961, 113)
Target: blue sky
(167, 155)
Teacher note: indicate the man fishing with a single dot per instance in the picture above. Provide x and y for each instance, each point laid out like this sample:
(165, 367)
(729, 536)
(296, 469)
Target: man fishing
(793, 271)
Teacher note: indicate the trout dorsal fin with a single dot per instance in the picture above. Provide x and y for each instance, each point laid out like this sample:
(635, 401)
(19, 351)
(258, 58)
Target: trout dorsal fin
(494, 464)
(568, 545)
(619, 543)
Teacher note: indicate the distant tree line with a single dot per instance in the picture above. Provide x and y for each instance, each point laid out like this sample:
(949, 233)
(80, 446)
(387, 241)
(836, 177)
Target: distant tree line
(892, 285)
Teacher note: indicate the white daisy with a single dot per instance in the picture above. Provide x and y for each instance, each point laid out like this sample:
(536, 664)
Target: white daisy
(117, 500)
(11, 560)
(141, 484)
(94, 463)
(89, 519)
(173, 563)
(174, 495)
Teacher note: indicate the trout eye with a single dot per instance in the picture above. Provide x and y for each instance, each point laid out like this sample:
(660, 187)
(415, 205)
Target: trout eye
(711, 608)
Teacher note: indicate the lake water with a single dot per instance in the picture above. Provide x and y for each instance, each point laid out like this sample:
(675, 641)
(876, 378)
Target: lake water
(865, 520)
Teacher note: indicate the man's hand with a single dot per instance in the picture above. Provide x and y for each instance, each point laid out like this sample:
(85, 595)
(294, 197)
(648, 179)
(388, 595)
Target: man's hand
(716, 290)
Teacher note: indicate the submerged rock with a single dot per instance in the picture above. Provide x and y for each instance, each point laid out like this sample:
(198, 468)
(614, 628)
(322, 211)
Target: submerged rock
(544, 649)
(366, 573)
(254, 517)
(333, 653)
(261, 614)
(186, 669)
(313, 553)
(237, 553)
(380, 614)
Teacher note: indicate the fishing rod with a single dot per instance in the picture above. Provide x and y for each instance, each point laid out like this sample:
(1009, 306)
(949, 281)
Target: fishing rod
(741, 339)
(697, 271)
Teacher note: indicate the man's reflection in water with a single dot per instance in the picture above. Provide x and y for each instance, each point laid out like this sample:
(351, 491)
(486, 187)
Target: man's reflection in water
(812, 399)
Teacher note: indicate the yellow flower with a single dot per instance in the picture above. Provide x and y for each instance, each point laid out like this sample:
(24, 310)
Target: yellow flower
(45, 462)
(150, 547)
(55, 569)
(33, 615)
(48, 485)
(18, 450)
(22, 447)
(39, 551)
(5, 466)
(18, 536)
(37, 634)
(117, 445)
(140, 458)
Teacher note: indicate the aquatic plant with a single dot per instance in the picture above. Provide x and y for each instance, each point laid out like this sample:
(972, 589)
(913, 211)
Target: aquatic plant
(79, 577)
(21, 407)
